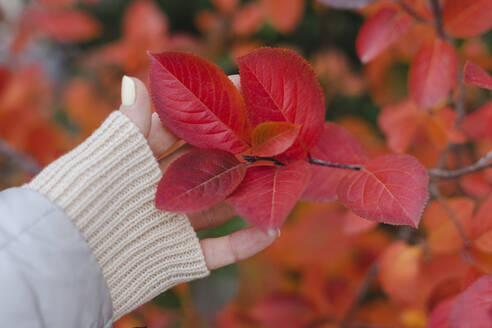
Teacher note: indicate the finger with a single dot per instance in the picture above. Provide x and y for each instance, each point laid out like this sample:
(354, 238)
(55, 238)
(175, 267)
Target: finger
(164, 163)
(222, 251)
(160, 139)
(236, 80)
(135, 103)
(212, 217)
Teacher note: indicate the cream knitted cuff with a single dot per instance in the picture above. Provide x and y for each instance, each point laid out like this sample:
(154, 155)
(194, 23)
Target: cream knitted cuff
(107, 187)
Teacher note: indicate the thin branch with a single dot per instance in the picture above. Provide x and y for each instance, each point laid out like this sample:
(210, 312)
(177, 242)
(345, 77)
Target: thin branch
(361, 294)
(316, 161)
(436, 10)
(466, 243)
(25, 161)
(409, 10)
(459, 104)
(481, 164)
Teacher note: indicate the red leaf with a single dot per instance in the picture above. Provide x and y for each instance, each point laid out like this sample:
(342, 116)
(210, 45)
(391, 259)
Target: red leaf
(198, 180)
(268, 194)
(279, 85)
(439, 317)
(336, 145)
(465, 18)
(282, 310)
(473, 308)
(380, 31)
(476, 75)
(144, 23)
(478, 124)
(285, 15)
(64, 26)
(197, 102)
(433, 73)
(390, 189)
(400, 124)
(226, 6)
(273, 138)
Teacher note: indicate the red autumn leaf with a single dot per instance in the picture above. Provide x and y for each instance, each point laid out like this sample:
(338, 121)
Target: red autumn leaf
(336, 145)
(196, 101)
(390, 189)
(226, 6)
(380, 31)
(465, 18)
(279, 85)
(439, 318)
(482, 221)
(478, 124)
(473, 308)
(273, 138)
(198, 180)
(400, 124)
(65, 26)
(248, 19)
(144, 24)
(268, 194)
(284, 15)
(433, 73)
(283, 310)
(476, 75)
(347, 4)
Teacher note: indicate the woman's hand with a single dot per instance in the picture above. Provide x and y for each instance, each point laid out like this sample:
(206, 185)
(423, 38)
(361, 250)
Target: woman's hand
(218, 252)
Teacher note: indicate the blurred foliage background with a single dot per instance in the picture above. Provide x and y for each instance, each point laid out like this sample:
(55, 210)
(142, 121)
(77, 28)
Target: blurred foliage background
(61, 64)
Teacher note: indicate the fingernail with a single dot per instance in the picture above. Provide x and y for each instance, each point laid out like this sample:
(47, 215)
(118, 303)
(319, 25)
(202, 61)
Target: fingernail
(273, 232)
(128, 94)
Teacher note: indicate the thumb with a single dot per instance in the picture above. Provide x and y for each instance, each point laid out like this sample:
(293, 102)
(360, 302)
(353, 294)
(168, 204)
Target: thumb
(135, 103)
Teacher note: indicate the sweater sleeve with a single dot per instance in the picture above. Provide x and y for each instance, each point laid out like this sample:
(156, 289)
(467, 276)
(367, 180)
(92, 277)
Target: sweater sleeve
(107, 186)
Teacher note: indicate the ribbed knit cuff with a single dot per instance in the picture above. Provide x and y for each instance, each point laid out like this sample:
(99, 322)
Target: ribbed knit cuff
(107, 186)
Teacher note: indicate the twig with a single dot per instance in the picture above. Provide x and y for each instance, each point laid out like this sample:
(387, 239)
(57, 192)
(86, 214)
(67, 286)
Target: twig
(466, 243)
(459, 104)
(316, 161)
(25, 161)
(409, 10)
(481, 164)
(253, 159)
(361, 294)
(436, 10)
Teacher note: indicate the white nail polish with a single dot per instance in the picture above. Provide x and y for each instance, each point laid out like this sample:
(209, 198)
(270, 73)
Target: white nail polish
(128, 94)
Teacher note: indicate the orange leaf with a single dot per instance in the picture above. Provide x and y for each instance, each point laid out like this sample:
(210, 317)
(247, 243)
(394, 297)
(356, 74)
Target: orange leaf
(273, 138)
(400, 265)
(442, 235)
(284, 15)
(467, 18)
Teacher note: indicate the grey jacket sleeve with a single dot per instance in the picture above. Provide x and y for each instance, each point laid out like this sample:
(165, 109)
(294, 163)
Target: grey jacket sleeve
(48, 275)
